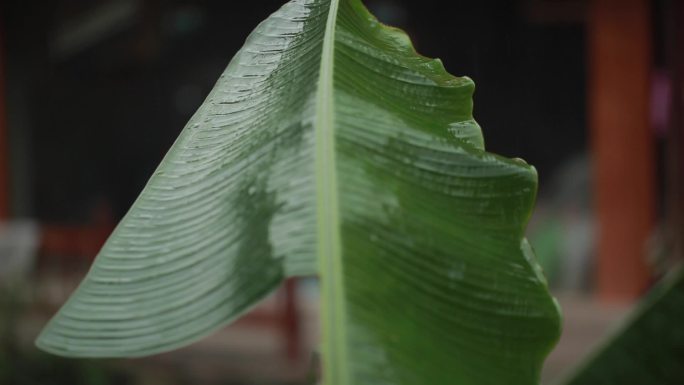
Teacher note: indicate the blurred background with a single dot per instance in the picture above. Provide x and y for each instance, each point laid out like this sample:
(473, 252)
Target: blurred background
(93, 93)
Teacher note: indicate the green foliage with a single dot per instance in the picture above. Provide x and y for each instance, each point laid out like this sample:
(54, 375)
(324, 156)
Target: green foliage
(330, 147)
(649, 349)
(21, 366)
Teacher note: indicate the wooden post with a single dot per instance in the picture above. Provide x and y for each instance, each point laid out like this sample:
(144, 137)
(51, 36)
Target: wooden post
(619, 41)
(291, 320)
(675, 139)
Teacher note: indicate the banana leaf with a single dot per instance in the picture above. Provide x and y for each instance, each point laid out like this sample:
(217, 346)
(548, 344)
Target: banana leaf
(648, 348)
(329, 147)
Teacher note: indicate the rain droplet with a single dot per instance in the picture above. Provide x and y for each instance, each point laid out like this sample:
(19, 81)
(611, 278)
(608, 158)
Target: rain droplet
(456, 274)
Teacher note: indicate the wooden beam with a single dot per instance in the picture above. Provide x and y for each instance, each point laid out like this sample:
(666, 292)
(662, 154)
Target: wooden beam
(619, 41)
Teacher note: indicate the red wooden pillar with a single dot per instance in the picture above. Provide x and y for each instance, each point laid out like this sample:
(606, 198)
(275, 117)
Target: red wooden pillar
(291, 320)
(4, 146)
(619, 41)
(675, 139)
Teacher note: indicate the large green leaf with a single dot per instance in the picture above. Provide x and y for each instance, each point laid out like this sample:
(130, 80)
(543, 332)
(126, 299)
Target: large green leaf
(648, 348)
(329, 146)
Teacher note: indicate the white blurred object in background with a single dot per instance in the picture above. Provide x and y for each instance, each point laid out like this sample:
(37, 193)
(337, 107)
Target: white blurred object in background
(18, 249)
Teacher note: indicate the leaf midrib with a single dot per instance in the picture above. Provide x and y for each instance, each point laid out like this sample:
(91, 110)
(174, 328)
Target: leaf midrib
(329, 251)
